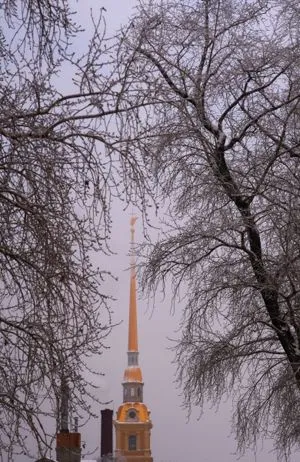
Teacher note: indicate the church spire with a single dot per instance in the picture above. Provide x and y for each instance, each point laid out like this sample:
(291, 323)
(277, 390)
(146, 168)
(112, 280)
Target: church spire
(132, 327)
(133, 381)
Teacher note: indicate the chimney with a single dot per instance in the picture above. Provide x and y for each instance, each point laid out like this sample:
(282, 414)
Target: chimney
(68, 444)
(106, 433)
(64, 407)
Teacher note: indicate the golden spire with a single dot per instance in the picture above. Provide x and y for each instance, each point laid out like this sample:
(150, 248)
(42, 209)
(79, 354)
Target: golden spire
(132, 372)
(132, 330)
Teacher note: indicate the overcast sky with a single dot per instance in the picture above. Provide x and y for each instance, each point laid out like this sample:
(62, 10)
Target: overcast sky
(174, 437)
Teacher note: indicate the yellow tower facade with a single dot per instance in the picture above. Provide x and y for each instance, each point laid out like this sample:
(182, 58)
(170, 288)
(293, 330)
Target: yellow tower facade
(133, 424)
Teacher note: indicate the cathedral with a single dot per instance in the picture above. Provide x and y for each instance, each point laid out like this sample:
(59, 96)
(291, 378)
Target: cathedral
(132, 423)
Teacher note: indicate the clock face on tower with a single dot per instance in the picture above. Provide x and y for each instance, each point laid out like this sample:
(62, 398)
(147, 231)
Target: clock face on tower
(132, 414)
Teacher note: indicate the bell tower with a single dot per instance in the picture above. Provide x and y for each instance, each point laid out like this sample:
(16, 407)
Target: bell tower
(133, 424)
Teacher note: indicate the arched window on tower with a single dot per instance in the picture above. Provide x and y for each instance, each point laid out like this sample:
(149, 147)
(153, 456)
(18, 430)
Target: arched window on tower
(132, 443)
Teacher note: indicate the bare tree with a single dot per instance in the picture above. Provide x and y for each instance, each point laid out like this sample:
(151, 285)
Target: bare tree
(212, 92)
(60, 165)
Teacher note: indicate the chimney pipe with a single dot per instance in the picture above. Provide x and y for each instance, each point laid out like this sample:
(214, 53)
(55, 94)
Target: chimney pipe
(64, 407)
(106, 432)
(68, 444)
(75, 424)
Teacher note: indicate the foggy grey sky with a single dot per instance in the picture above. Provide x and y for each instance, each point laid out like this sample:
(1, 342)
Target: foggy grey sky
(174, 438)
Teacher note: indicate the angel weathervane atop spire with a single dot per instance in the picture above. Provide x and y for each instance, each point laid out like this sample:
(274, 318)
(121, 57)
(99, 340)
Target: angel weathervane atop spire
(132, 230)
